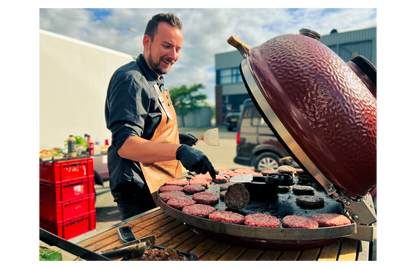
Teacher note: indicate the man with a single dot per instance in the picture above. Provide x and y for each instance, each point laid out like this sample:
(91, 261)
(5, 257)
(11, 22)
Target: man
(145, 151)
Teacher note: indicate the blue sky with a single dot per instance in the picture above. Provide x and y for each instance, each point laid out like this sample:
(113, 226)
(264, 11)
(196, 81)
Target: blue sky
(205, 31)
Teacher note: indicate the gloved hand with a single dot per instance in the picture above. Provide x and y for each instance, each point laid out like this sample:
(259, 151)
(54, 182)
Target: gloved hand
(187, 139)
(195, 160)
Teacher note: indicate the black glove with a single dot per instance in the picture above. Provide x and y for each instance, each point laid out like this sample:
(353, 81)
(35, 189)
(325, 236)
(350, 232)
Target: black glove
(195, 160)
(187, 139)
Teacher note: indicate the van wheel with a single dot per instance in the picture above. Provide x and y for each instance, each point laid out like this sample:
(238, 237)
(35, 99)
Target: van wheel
(267, 161)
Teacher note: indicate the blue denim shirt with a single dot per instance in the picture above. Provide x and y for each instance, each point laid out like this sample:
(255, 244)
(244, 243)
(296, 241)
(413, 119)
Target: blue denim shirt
(131, 109)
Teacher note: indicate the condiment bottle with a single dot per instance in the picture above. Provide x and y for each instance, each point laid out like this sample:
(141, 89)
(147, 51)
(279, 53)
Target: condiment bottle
(71, 147)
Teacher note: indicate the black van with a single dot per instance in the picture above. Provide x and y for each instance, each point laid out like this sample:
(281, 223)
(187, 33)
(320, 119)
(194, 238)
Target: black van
(256, 144)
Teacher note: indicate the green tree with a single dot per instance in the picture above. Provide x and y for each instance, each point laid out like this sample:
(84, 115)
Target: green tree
(187, 99)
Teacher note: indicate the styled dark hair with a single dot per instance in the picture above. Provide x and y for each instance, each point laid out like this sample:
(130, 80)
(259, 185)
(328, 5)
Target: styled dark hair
(151, 27)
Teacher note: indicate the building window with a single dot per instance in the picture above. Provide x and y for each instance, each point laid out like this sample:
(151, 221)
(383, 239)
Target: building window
(227, 76)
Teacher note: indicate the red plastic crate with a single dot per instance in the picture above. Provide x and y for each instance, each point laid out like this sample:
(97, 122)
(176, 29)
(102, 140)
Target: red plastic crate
(70, 228)
(67, 190)
(66, 170)
(62, 211)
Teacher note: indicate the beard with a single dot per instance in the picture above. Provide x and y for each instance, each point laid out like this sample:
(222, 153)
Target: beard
(155, 66)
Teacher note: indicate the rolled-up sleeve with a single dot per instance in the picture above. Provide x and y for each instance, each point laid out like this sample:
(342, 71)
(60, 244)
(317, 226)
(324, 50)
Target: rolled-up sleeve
(127, 107)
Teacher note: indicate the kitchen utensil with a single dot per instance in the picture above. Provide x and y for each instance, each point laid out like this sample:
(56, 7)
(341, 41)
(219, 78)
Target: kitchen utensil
(210, 137)
(134, 249)
(221, 174)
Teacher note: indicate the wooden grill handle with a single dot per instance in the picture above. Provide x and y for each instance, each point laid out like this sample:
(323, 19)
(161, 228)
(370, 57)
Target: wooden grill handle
(235, 42)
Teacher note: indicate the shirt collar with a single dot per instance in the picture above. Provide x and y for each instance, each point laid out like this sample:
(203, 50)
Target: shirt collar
(149, 73)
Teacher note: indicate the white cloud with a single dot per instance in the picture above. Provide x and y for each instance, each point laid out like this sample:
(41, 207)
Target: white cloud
(205, 31)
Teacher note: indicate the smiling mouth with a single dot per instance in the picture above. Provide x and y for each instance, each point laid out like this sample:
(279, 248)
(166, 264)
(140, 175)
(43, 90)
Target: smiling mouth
(167, 61)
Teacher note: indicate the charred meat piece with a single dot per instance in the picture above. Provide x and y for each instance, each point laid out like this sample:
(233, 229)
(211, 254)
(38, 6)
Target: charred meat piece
(309, 201)
(303, 190)
(236, 197)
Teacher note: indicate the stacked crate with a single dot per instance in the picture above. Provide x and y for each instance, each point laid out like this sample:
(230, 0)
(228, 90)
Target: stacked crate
(67, 197)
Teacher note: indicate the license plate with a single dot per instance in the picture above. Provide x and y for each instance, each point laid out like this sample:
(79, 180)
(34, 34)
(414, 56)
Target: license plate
(234, 119)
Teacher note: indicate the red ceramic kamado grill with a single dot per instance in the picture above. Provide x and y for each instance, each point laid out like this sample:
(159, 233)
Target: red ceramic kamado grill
(324, 111)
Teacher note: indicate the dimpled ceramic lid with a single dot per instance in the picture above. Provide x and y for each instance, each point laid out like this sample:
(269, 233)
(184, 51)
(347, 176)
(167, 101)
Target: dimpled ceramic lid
(322, 105)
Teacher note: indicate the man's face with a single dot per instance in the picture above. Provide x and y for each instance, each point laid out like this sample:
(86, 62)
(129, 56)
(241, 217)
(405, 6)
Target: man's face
(164, 51)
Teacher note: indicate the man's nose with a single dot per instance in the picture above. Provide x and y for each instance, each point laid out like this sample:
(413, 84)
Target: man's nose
(174, 54)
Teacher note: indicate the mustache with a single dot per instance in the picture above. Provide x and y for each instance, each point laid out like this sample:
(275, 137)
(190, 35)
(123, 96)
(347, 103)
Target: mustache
(168, 60)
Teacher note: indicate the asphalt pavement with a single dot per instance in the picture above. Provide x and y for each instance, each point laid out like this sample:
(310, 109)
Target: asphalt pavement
(107, 214)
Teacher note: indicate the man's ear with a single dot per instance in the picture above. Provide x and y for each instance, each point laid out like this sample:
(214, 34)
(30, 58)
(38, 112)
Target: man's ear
(146, 42)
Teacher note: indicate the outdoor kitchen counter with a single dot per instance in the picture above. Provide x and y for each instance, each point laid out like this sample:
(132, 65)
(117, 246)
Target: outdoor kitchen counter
(175, 234)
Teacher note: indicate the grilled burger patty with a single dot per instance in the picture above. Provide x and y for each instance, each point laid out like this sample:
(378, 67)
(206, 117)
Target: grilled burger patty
(236, 197)
(303, 190)
(309, 201)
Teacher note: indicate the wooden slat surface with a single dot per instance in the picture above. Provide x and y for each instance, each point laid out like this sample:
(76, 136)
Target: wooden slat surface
(172, 233)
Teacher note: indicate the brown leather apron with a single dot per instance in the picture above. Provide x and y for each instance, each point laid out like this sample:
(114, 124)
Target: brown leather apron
(156, 174)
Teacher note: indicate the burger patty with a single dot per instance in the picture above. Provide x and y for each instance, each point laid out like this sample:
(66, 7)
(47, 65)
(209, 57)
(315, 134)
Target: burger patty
(224, 187)
(331, 219)
(220, 179)
(303, 190)
(193, 188)
(178, 182)
(165, 196)
(205, 198)
(237, 196)
(180, 202)
(199, 181)
(261, 220)
(199, 210)
(293, 221)
(309, 201)
(227, 216)
(169, 188)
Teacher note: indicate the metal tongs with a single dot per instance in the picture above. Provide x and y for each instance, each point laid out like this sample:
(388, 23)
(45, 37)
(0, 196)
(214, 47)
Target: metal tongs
(132, 250)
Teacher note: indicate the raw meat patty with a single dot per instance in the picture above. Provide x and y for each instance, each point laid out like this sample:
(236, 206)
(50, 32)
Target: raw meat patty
(224, 187)
(227, 216)
(193, 188)
(331, 219)
(244, 171)
(198, 210)
(178, 182)
(165, 196)
(199, 181)
(205, 198)
(169, 188)
(261, 220)
(180, 202)
(293, 221)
